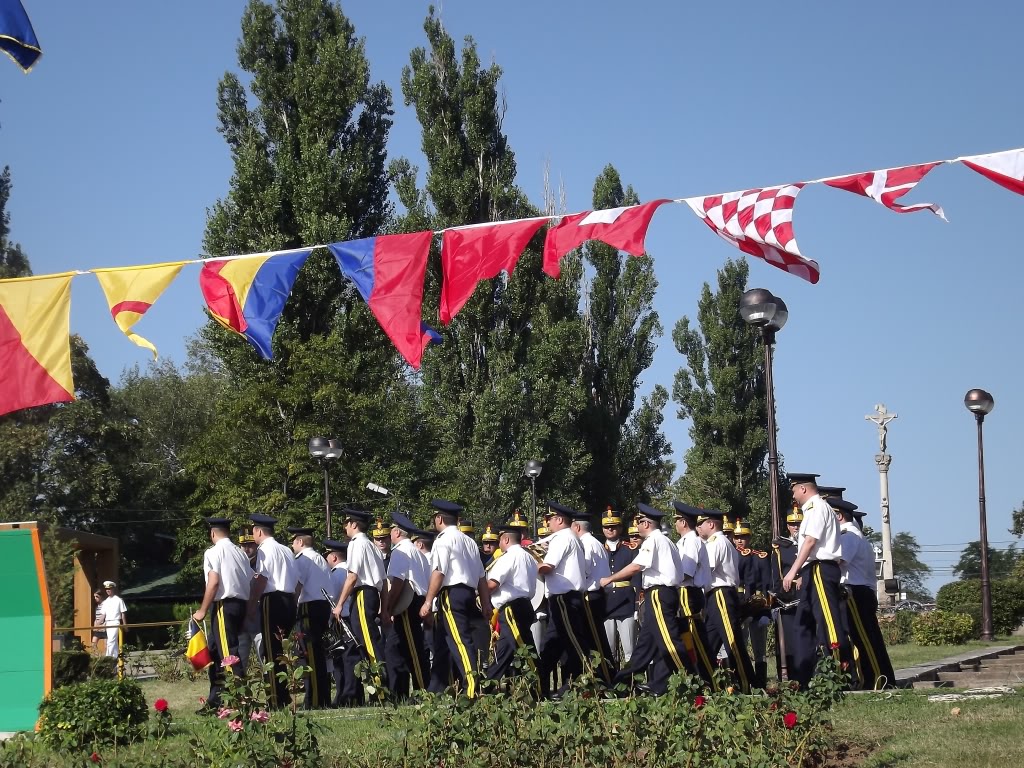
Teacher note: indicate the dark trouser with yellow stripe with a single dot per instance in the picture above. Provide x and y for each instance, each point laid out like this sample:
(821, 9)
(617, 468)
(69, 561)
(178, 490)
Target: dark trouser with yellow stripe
(796, 638)
(225, 621)
(820, 616)
(724, 630)
(440, 657)
(363, 620)
(457, 604)
(313, 618)
(862, 618)
(691, 607)
(660, 640)
(566, 633)
(594, 609)
(403, 648)
(514, 621)
(277, 614)
(347, 690)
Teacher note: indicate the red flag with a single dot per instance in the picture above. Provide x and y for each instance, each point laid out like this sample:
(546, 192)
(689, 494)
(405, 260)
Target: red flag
(888, 186)
(624, 228)
(1004, 168)
(480, 252)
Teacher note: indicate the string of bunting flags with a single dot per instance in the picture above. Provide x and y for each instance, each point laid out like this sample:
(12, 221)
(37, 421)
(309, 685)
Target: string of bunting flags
(246, 293)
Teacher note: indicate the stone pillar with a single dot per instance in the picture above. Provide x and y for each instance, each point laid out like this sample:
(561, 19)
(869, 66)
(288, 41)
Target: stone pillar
(881, 419)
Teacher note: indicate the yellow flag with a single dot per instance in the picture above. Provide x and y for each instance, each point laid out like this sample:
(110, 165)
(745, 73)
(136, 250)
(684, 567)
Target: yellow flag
(130, 291)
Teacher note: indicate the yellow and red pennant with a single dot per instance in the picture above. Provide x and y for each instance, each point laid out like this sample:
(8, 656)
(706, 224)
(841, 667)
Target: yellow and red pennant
(130, 291)
(35, 341)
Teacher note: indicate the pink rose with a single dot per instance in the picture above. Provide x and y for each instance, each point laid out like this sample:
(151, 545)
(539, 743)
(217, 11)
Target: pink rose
(230, 661)
(260, 717)
(236, 725)
(224, 713)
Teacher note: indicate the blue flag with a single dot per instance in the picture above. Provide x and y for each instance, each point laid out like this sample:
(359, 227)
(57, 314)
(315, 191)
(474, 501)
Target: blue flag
(17, 38)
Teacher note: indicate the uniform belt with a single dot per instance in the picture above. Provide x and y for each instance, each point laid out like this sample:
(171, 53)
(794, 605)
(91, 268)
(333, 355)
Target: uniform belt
(618, 584)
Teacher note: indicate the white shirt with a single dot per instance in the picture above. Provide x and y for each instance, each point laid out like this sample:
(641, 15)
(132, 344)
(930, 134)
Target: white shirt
(365, 561)
(693, 558)
(232, 567)
(314, 575)
(723, 561)
(858, 562)
(659, 559)
(565, 554)
(277, 563)
(516, 575)
(338, 575)
(595, 562)
(409, 564)
(113, 609)
(457, 557)
(820, 523)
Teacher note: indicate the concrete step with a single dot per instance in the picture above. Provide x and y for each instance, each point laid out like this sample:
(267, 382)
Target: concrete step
(971, 679)
(932, 684)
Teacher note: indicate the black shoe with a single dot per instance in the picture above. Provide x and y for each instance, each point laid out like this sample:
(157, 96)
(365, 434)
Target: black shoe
(646, 690)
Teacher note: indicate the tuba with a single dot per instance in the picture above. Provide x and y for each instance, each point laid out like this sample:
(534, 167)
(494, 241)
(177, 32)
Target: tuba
(338, 638)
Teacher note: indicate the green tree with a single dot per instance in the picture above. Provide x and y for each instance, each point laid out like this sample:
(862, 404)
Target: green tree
(308, 140)
(907, 565)
(722, 392)
(506, 384)
(628, 448)
(1001, 562)
(13, 262)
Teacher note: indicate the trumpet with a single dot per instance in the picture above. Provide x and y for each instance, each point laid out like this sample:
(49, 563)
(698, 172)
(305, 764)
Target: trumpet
(338, 637)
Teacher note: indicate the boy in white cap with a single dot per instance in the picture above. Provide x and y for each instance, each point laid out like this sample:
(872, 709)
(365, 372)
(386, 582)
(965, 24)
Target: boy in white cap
(113, 609)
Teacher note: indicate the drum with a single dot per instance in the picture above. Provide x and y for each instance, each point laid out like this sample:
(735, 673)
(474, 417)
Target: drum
(404, 599)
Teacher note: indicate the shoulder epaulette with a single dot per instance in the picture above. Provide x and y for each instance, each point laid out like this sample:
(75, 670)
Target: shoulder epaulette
(745, 552)
(760, 554)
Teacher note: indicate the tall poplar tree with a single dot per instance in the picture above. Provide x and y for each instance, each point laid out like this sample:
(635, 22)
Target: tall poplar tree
(628, 448)
(504, 387)
(722, 392)
(308, 140)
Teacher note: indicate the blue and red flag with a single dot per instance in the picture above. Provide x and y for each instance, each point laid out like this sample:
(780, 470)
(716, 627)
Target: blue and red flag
(388, 272)
(17, 38)
(247, 295)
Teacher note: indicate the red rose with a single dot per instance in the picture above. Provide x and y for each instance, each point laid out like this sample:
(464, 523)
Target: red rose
(160, 705)
(834, 646)
(95, 757)
(698, 702)
(789, 720)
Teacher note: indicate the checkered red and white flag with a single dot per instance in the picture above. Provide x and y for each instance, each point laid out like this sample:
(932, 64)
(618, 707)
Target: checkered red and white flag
(888, 186)
(759, 222)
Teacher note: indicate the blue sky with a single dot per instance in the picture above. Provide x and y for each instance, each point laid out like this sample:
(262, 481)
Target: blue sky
(113, 147)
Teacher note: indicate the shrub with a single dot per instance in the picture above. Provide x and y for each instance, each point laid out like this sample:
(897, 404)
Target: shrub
(93, 713)
(102, 668)
(1007, 601)
(897, 628)
(70, 667)
(942, 628)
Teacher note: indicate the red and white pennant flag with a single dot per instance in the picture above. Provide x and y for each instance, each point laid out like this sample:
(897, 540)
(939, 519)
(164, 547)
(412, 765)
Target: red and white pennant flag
(759, 222)
(888, 186)
(1004, 168)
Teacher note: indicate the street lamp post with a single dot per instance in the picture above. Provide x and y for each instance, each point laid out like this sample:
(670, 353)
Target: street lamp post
(761, 309)
(532, 470)
(325, 449)
(980, 403)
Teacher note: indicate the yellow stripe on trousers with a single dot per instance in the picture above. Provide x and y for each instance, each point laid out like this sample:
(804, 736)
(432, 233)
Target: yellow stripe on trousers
(560, 602)
(876, 670)
(826, 609)
(459, 645)
(307, 627)
(511, 619)
(666, 638)
(222, 633)
(361, 610)
(269, 649)
(698, 644)
(413, 650)
(723, 609)
(597, 640)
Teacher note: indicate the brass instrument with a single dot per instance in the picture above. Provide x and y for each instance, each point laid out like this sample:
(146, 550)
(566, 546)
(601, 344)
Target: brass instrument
(338, 637)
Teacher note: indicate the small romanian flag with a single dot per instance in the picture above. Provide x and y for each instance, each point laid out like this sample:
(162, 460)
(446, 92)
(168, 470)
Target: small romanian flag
(197, 652)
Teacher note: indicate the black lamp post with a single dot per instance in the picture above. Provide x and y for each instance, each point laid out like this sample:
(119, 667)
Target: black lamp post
(532, 470)
(980, 403)
(763, 310)
(325, 449)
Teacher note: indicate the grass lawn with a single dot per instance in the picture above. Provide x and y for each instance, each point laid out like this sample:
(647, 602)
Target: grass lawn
(912, 654)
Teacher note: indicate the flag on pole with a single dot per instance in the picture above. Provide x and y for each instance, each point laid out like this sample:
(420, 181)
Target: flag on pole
(480, 252)
(17, 38)
(197, 651)
(35, 341)
(388, 272)
(130, 291)
(887, 186)
(623, 228)
(1004, 168)
(247, 294)
(759, 222)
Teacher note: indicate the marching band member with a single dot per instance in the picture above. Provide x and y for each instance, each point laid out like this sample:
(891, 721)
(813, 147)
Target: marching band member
(403, 633)
(512, 580)
(276, 580)
(817, 564)
(696, 577)
(456, 577)
(347, 690)
(721, 599)
(754, 578)
(313, 614)
(661, 635)
(488, 544)
(595, 568)
(620, 597)
(794, 637)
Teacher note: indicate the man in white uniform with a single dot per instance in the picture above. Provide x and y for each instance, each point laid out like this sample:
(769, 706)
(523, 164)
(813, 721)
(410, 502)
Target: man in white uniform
(347, 691)
(408, 574)
(313, 615)
(696, 575)
(512, 579)
(113, 609)
(595, 568)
